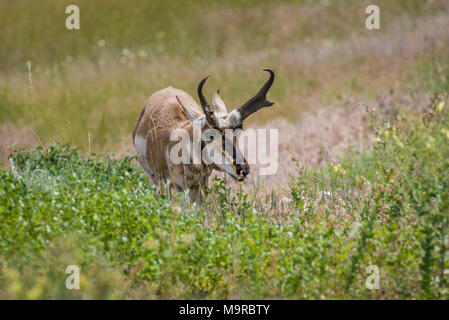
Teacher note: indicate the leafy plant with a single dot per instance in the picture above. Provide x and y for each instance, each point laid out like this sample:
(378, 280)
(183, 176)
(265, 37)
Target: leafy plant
(386, 207)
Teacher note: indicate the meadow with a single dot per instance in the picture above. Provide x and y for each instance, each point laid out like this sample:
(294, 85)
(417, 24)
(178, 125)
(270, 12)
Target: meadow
(386, 207)
(87, 86)
(72, 194)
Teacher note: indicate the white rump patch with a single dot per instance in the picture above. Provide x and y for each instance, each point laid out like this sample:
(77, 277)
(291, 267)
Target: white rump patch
(140, 144)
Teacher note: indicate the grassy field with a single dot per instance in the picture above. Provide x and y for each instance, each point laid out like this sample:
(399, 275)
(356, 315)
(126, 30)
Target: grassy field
(87, 86)
(386, 207)
(74, 195)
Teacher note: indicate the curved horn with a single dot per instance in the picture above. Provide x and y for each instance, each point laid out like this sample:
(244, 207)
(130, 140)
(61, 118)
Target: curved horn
(204, 104)
(258, 101)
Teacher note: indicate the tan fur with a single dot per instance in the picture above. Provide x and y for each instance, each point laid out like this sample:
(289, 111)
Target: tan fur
(161, 114)
(170, 109)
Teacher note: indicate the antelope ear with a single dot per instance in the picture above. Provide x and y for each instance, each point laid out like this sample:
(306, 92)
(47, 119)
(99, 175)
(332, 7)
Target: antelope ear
(218, 104)
(192, 112)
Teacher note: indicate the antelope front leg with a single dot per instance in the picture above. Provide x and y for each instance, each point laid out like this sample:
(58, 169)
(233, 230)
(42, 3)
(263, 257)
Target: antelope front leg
(195, 195)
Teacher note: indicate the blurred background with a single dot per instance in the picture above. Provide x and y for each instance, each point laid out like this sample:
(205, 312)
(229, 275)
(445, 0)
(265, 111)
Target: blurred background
(88, 86)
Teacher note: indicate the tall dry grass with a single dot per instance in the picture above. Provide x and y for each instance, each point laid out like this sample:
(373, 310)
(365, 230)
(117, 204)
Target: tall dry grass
(89, 85)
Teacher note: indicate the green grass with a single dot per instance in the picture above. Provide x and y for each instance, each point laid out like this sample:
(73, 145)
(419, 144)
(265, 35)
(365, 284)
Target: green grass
(433, 73)
(36, 30)
(60, 206)
(387, 207)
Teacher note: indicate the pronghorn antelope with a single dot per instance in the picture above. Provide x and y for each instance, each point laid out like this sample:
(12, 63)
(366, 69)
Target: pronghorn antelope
(170, 109)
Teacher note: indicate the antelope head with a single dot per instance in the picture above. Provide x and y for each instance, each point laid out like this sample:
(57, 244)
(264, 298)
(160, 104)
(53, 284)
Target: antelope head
(221, 129)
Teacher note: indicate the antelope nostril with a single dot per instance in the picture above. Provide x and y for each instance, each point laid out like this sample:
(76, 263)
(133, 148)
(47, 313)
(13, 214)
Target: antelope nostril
(242, 172)
(246, 170)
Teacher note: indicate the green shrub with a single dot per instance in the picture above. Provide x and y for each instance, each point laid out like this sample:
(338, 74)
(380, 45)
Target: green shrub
(386, 207)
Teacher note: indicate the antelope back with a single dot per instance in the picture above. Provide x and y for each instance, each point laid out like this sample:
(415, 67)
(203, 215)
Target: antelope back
(161, 115)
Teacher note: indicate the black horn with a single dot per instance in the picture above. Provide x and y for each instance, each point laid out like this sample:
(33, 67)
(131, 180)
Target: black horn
(259, 100)
(204, 104)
